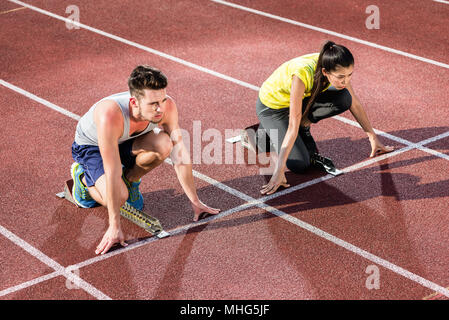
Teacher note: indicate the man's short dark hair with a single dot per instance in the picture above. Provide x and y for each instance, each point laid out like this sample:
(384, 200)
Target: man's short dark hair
(145, 77)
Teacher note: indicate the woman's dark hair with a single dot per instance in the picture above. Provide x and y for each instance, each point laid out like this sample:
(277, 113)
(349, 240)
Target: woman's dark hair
(145, 77)
(331, 56)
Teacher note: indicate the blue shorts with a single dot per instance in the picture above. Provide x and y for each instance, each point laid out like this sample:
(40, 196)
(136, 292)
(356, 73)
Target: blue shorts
(89, 158)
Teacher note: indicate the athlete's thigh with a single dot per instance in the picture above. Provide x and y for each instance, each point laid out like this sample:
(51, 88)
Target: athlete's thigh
(101, 187)
(152, 141)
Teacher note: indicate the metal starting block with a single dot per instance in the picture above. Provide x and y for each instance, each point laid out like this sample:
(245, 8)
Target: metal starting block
(138, 217)
(250, 138)
(325, 164)
(143, 220)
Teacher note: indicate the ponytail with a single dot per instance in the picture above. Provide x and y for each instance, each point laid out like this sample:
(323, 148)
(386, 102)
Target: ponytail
(331, 56)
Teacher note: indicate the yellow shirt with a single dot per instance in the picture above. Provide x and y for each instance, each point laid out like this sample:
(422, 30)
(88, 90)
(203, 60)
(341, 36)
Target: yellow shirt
(275, 91)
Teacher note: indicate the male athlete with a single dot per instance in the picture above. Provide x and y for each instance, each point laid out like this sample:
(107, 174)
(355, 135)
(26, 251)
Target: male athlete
(120, 139)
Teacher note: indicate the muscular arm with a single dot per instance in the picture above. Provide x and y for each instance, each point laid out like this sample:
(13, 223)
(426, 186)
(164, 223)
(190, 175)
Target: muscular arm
(181, 160)
(109, 121)
(180, 156)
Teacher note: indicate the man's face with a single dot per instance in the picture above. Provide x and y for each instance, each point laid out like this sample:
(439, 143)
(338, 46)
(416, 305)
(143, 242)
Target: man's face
(151, 105)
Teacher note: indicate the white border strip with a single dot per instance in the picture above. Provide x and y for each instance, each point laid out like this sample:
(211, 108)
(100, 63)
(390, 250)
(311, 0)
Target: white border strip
(332, 33)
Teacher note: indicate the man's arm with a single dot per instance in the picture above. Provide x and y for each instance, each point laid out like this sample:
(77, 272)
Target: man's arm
(360, 115)
(109, 121)
(181, 160)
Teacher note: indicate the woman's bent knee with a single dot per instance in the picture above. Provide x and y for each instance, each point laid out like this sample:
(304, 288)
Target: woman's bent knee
(297, 166)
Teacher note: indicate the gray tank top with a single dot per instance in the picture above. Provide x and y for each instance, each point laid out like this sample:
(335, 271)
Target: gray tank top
(86, 130)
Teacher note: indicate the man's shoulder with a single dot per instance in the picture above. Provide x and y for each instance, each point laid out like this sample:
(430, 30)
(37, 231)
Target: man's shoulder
(109, 111)
(170, 105)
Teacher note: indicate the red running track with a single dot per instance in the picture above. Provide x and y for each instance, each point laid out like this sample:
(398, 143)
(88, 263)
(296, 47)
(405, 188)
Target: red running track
(394, 209)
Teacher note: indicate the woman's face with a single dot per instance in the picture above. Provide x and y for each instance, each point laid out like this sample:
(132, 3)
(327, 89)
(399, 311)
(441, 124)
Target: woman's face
(339, 77)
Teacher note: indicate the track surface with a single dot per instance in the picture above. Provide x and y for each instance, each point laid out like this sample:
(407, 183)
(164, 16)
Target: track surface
(314, 240)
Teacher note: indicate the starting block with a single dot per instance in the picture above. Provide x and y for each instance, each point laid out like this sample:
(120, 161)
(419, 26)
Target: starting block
(325, 164)
(136, 216)
(252, 139)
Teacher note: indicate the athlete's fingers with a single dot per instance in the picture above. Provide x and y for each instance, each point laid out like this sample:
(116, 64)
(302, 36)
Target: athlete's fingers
(265, 189)
(273, 189)
(213, 210)
(107, 247)
(100, 246)
(380, 151)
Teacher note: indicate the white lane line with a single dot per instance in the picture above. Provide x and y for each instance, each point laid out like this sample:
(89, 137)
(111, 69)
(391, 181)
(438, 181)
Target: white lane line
(39, 100)
(132, 246)
(29, 283)
(358, 251)
(280, 213)
(60, 270)
(417, 145)
(196, 67)
(354, 167)
(139, 46)
(333, 33)
(151, 51)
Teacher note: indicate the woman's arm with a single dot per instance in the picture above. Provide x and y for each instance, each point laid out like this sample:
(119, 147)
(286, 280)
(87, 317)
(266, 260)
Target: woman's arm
(278, 178)
(357, 110)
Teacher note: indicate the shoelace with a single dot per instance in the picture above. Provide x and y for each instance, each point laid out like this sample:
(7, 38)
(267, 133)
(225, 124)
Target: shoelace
(133, 188)
(84, 192)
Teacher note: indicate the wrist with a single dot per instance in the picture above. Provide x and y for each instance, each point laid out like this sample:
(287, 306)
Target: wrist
(279, 168)
(371, 135)
(114, 222)
(196, 201)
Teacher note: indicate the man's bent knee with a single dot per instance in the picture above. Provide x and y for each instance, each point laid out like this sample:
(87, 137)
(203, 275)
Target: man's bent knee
(163, 145)
(153, 145)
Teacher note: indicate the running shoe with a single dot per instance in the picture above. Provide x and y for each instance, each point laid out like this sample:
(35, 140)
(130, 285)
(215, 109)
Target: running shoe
(135, 196)
(79, 191)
